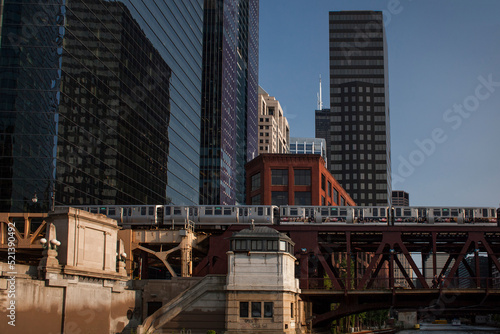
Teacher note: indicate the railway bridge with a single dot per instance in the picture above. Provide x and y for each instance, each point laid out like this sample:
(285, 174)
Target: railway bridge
(429, 268)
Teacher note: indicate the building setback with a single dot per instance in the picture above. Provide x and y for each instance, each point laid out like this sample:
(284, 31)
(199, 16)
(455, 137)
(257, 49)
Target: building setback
(100, 103)
(293, 179)
(229, 99)
(356, 127)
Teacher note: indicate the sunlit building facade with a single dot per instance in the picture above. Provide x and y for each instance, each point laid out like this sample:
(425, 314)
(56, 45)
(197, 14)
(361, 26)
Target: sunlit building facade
(100, 103)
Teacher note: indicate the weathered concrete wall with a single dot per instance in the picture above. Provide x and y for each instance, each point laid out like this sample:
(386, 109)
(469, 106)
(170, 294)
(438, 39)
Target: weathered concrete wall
(88, 305)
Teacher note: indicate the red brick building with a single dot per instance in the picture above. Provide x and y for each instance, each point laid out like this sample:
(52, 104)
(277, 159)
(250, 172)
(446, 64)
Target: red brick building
(292, 179)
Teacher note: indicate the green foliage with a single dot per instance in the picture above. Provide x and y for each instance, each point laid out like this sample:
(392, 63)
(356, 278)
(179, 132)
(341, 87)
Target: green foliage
(211, 331)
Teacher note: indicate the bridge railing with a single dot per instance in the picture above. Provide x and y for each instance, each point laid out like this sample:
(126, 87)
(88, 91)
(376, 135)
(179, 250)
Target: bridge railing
(384, 283)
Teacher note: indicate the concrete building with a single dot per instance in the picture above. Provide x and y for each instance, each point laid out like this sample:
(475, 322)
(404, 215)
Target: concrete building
(300, 145)
(80, 283)
(229, 99)
(262, 291)
(293, 179)
(356, 127)
(400, 198)
(98, 109)
(274, 132)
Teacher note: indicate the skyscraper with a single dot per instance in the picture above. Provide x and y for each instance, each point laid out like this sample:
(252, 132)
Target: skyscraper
(356, 127)
(229, 98)
(100, 103)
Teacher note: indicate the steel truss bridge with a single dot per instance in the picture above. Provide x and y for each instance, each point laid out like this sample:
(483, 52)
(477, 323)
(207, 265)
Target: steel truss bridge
(385, 267)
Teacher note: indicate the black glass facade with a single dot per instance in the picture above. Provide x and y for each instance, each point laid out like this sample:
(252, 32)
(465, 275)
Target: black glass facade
(356, 127)
(229, 99)
(102, 97)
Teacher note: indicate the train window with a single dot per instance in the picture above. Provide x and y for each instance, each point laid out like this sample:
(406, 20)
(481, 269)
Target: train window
(454, 212)
(227, 211)
(437, 212)
(129, 211)
(334, 212)
(93, 210)
(446, 212)
(492, 213)
(151, 210)
(382, 212)
(208, 211)
(102, 210)
(143, 211)
(485, 213)
(407, 212)
(375, 212)
(324, 212)
(112, 211)
(260, 211)
(167, 211)
(218, 211)
(293, 212)
(177, 211)
(343, 212)
(268, 211)
(398, 212)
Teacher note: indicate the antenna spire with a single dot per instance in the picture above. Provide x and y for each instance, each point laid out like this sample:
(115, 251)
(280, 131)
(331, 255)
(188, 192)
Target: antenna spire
(320, 99)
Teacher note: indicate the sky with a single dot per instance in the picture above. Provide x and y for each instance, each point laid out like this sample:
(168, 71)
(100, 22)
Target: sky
(444, 88)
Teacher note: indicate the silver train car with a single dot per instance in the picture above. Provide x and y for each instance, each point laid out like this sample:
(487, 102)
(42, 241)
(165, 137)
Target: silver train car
(172, 215)
(146, 216)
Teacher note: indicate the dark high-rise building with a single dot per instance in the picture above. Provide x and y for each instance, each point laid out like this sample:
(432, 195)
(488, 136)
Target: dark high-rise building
(100, 103)
(229, 99)
(356, 127)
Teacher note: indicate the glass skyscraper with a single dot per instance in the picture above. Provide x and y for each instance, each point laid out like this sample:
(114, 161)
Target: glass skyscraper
(356, 127)
(229, 99)
(100, 102)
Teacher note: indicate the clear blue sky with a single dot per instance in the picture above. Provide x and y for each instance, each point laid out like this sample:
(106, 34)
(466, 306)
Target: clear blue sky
(441, 53)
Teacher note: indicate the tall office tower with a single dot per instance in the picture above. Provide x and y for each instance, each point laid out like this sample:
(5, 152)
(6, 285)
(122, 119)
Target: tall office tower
(274, 131)
(229, 99)
(100, 103)
(358, 138)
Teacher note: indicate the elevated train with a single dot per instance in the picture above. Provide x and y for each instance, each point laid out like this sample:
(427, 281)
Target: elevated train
(147, 216)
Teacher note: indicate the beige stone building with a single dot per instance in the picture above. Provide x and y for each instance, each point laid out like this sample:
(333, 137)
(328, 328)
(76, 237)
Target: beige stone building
(274, 131)
(262, 293)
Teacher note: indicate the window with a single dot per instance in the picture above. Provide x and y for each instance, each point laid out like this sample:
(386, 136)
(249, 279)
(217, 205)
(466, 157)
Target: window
(268, 309)
(256, 245)
(255, 182)
(302, 177)
(243, 309)
(302, 198)
(323, 181)
(240, 245)
(256, 199)
(279, 177)
(291, 311)
(279, 198)
(256, 310)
